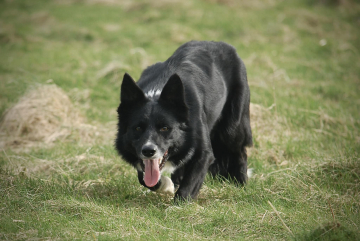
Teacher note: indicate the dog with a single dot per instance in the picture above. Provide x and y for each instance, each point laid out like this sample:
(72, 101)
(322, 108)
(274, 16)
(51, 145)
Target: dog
(188, 116)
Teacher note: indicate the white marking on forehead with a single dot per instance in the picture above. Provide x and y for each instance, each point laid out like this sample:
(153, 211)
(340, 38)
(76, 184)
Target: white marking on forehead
(152, 93)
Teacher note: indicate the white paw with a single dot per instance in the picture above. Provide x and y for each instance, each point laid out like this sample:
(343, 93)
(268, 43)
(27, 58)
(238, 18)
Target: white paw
(167, 186)
(250, 172)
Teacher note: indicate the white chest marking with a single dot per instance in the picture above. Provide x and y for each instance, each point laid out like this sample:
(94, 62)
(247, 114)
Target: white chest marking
(168, 167)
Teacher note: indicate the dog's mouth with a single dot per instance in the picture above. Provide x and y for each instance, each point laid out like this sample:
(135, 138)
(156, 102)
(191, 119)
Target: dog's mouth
(152, 169)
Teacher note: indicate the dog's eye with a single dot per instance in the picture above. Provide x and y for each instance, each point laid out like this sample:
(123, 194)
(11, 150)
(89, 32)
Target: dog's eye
(165, 128)
(138, 128)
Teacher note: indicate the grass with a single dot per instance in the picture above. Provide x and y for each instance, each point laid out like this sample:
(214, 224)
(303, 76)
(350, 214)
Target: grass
(303, 69)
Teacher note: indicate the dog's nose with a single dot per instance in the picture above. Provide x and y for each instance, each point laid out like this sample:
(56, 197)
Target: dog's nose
(148, 150)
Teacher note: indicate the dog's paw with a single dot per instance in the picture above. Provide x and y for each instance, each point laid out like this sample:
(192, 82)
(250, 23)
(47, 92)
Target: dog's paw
(166, 186)
(250, 172)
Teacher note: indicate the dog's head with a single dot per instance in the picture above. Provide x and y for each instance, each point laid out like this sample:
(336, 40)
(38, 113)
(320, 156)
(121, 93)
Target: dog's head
(151, 129)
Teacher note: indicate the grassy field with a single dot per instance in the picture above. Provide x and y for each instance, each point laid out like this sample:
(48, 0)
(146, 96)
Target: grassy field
(61, 67)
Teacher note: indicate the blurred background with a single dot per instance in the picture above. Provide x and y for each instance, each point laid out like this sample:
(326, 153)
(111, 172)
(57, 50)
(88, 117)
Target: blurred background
(301, 48)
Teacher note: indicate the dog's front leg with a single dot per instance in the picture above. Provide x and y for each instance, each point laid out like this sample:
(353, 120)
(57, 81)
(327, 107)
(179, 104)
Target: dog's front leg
(194, 175)
(164, 185)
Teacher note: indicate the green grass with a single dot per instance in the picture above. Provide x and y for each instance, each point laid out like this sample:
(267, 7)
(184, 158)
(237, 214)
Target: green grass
(302, 59)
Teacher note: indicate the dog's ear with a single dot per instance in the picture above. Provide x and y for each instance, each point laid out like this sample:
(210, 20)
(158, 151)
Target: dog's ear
(130, 92)
(173, 93)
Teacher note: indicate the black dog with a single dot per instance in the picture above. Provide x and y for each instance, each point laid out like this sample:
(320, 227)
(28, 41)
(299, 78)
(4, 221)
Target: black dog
(187, 115)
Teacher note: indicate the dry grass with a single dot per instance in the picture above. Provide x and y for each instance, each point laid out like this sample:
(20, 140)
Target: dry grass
(42, 116)
(268, 129)
(270, 125)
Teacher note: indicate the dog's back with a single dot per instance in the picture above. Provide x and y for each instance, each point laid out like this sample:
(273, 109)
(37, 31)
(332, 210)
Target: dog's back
(213, 76)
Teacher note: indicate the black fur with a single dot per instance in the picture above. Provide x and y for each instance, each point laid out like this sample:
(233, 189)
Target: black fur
(204, 103)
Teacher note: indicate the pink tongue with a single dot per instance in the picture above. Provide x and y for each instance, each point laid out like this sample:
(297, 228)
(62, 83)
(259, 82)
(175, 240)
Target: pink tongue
(152, 172)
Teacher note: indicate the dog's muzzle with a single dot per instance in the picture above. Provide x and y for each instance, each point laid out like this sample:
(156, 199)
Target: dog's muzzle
(152, 169)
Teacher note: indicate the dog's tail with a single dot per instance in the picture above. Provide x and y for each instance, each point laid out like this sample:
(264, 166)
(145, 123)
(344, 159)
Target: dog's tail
(250, 172)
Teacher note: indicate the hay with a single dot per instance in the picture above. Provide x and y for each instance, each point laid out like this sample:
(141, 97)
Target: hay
(269, 125)
(269, 129)
(42, 116)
